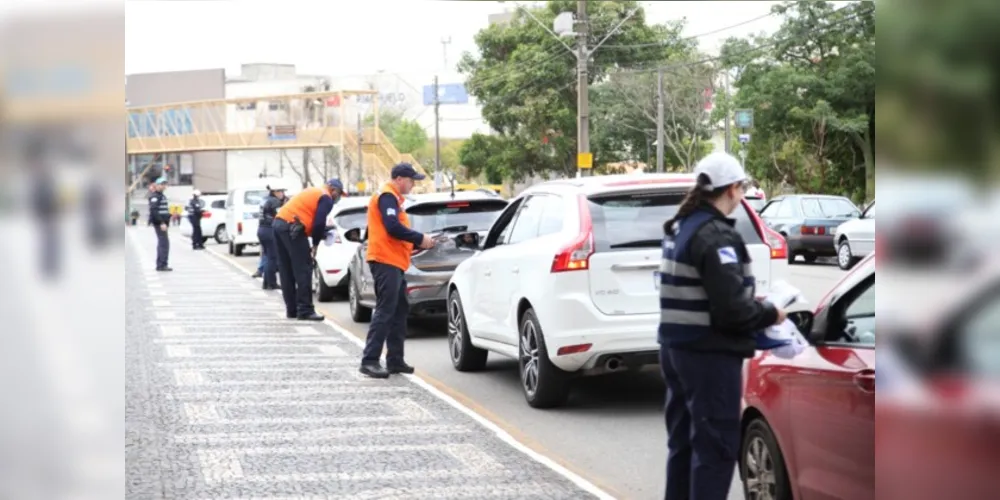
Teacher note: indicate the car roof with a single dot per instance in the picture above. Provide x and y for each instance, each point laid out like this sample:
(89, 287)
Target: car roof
(416, 199)
(601, 184)
(822, 196)
(349, 203)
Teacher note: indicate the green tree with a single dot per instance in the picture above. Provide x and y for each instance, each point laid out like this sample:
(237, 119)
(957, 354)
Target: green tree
(450, 160)
(812, 89)
(526, 83)
(408, 136)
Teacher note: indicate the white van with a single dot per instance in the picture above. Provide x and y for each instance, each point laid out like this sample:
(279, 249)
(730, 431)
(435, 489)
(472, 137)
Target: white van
(242, 212)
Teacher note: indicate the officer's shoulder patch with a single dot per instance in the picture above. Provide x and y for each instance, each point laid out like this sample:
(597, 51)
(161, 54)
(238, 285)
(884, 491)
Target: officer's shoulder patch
(727, 255)
(390, 211)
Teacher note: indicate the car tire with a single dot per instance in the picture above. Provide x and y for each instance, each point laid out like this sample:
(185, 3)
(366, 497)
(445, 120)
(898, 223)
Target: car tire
(465, 357)
(232, 248)
(845, 257)
(810, 258)
(238, 250)
(544, 385)
(323, 292)
(761, 456)
(359, 313)
(204, 240)
(221, 236)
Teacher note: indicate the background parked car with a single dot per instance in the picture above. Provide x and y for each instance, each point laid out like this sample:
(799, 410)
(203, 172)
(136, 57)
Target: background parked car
(808, 222)
(855, 239)
(213, 220)
(444, 216)
(756, 202)
(567, 280)
(333, 257)
(809, 422)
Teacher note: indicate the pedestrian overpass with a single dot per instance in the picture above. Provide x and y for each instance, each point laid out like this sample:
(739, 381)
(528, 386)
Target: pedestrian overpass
(273, 122)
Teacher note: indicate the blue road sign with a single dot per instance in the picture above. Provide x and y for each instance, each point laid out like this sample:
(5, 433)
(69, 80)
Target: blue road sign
(744, 138)
(744, 118)
(448, 93)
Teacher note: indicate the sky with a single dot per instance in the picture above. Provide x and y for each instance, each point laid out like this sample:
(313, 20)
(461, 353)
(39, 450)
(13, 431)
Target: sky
(344, 37)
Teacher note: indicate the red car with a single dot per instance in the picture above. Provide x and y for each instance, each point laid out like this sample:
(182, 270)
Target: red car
(809, 422)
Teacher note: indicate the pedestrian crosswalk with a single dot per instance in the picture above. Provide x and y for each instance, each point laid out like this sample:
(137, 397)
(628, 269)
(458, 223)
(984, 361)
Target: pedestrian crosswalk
(245, 403)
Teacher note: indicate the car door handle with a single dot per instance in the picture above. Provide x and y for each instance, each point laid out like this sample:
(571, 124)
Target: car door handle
(487, 273)
(516, 270)
(636, 266)
(865, 380)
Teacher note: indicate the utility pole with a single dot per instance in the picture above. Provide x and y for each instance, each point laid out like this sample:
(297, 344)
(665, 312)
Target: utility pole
(583, 95)
(444, 45)
(361, 153)
(437, 127)
(659, 121)
(729, 134)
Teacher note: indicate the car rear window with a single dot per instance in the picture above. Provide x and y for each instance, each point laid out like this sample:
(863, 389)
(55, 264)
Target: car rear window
(352, 218)
(459, 216)
(822, 208)
(254, 197)
(635, 220)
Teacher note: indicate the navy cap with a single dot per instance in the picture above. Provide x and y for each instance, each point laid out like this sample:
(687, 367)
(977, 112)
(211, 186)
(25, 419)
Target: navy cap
(407, 170)
(336, 184)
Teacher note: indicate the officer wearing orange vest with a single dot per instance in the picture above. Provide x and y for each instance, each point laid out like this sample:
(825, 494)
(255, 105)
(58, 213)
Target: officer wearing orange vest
(390, 244)
(301, 218)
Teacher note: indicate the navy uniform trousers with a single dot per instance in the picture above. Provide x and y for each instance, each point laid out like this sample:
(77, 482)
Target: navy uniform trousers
(703, 422)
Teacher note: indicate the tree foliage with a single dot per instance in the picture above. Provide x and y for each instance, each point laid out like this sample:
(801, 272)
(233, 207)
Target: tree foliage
(408, 136)
(525, 81)
(812, 90)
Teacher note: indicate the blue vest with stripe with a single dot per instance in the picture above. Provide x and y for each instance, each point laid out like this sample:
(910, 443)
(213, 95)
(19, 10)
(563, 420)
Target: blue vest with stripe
(684, 306)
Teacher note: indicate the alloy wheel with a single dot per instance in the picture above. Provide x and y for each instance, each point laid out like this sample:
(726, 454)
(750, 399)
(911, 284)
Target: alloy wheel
(352, 298)
(529, 358)
(761, 482)
(844, 255)
(316, 277)
(455, 329)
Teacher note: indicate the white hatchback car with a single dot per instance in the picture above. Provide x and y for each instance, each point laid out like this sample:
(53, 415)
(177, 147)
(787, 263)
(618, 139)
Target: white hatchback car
(213, 219)
(566, 281)
(855, 239)
(333, 257)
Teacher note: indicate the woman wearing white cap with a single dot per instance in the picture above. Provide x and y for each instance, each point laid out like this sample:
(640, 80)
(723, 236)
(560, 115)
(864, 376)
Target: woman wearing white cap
(709, 320)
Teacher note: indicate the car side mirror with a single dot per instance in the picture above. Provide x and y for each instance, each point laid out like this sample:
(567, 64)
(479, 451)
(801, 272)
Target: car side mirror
(803, 320)
(353, 235)
(467, 240)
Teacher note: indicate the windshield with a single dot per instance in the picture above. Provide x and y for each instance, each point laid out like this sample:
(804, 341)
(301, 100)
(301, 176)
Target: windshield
(635, 220)
(254, 197)
(823, 208)
(352, 218)
(455, 216)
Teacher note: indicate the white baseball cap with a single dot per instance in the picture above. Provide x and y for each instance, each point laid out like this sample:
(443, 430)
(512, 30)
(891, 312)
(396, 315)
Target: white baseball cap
(722, 170)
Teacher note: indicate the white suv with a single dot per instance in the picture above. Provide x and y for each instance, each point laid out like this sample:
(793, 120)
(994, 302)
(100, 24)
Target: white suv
(566, 280)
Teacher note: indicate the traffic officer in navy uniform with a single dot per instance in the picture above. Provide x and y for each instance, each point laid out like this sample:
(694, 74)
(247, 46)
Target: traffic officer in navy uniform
(159, 218)
(196, 209)
(709, 319)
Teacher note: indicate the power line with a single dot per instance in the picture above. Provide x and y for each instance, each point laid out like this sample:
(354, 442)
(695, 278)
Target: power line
(691, 37)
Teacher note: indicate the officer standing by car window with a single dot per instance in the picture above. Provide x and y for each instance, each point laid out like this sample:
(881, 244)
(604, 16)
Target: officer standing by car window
(390, 244)
(195, 210)
(709, 319)
(265, 233)
(302, 218)
(159, 218)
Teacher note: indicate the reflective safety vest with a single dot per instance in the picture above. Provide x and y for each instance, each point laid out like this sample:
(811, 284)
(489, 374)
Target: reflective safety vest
(382, 247)
(303, 206)
(684, 305)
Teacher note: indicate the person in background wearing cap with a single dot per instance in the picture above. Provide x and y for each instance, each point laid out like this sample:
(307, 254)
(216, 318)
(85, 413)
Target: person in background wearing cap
(390, 244)
(709, 318)
(301, 218)
(159, 218)
(265, 233)
(196, 209)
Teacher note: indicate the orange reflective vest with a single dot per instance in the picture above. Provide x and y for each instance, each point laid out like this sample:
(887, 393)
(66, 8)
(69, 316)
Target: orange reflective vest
(382, 247)
(303, 206)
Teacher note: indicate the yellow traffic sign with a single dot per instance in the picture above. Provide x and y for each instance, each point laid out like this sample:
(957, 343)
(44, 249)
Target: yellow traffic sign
(361, 187)
(585, 160)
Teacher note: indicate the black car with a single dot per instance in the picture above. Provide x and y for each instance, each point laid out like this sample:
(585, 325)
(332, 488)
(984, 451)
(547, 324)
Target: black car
(808, 222)
(447, 218)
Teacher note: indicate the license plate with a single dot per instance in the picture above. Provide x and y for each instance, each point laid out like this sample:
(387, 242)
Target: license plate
(656, 281)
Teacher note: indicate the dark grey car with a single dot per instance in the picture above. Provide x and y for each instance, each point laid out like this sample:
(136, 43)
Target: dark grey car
(808, 222)
(445, 217)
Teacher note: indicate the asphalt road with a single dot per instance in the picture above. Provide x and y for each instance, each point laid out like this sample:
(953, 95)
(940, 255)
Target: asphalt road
(612, 430)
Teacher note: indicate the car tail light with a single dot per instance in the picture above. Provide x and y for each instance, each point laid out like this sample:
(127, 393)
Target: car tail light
(206, 214)
(458, 204)
(813, 230)
(239, 228)
(777, 243)
(573, 349)
(576, 255)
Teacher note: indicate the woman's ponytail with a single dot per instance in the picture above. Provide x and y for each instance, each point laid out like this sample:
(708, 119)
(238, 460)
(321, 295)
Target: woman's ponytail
(691, 201)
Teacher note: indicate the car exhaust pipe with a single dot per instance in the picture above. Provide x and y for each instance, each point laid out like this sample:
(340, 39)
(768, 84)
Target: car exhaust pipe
(614, 364)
